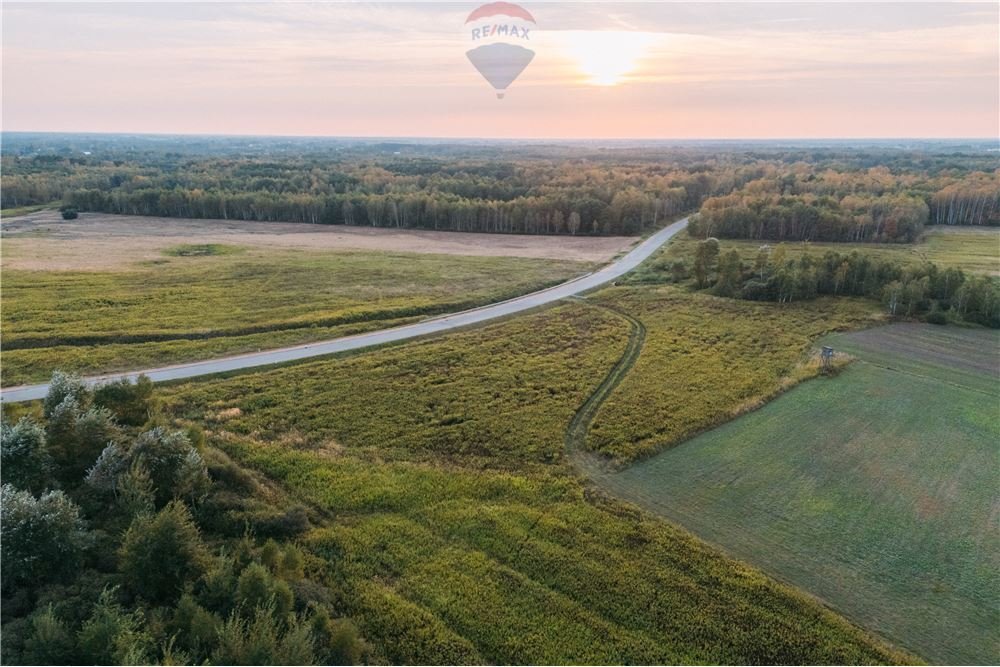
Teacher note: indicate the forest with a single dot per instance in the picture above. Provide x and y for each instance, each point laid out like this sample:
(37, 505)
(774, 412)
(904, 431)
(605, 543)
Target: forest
(126, 541)
(926, 290)
(849, 193)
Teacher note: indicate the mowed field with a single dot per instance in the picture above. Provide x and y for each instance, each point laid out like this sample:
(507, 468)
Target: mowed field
(458, 532)
(92, 307)
(877, 490)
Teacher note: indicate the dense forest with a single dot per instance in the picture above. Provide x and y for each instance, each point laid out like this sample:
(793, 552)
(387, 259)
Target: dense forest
(760, 191)
(803, 204)
(126, 541)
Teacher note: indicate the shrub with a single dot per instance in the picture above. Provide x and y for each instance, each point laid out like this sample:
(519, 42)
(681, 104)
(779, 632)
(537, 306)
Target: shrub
(264, 639)
(49, 642)
(161, 553)
(24, 459)
(130, 403)
(76, 437)
(113, 636)
(61, 386)
(258, 588)
(69, 213)
(42, 538)
(195, 628)
(175, 468)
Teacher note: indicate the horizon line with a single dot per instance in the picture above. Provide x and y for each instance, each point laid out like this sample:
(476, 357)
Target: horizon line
(498, 138)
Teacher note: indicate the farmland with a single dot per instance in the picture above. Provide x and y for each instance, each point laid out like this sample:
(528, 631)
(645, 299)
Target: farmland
(205, 299)
(875, 490)
(441, 467)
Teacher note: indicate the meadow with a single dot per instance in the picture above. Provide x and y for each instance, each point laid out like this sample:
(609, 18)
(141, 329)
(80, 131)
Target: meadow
(201, 300)
(972, 249)
(707, 359)
(458, 532)
(875, 490)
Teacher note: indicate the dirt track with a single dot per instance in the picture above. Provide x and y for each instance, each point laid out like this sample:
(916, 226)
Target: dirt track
(96, 241)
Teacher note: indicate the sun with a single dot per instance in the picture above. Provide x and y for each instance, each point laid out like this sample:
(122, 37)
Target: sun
(606, 57)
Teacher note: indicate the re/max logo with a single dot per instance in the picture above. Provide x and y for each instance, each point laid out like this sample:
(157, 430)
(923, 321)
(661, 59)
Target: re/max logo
(500, 30)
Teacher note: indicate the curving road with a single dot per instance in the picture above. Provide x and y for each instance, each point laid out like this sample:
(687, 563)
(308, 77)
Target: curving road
(428, 327)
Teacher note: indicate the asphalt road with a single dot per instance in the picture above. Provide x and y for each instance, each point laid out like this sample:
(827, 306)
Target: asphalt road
(428, 327)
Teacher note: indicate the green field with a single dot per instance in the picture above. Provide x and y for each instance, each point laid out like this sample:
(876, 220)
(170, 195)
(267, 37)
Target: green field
(458, 532)
(876, 490)
(202, 301)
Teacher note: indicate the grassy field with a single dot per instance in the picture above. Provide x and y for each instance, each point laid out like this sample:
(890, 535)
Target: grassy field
(24, 210)
(876, 490)
(707, 359)
(458, 532)
(200, 300)
(973, 249)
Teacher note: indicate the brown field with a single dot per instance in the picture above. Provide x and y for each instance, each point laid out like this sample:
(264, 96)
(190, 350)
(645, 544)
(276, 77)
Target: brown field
(101, 242)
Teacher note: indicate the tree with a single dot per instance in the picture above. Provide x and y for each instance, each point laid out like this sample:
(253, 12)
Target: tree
(42, 538)
(113, 636)
(892, 295)
(705, 256)
(730, 274)
(574, 222)
(160, 553)
(264, 639)
(129, 402)
(76, 436)
(24, 458)
(50, 641)
(174, 466)
(69, 213)
(61, 386)
(257, 588)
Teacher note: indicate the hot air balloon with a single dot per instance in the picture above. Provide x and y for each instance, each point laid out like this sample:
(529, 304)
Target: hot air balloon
(500, 32)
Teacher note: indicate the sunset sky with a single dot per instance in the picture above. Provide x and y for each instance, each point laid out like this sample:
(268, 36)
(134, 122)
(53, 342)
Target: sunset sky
(664, 70)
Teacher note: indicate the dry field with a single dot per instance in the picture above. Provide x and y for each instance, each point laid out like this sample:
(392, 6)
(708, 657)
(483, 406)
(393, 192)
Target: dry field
(43, 241)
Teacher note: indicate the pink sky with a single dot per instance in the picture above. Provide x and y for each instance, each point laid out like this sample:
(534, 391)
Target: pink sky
(722, 70)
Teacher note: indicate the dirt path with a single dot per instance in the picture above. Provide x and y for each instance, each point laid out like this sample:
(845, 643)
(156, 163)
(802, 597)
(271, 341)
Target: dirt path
(593, 465)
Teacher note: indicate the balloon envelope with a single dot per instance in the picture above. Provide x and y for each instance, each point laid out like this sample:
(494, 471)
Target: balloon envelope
(500, 63)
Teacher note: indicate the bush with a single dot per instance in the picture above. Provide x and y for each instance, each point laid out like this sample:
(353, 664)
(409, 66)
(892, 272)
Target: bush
(130, 403)
(258, 588)
(937, 317)
(174, 466)
(161, 553)
(264, 639)
(113, 636)
(76, 437)
(61, 386)
(69, 213)
(42, 538)
(24, 459)
(49, 642)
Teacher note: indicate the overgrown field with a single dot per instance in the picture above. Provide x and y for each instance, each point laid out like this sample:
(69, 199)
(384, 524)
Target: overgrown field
(877, 490)
(459, 534)
(707, 359)
(972, 249)
(204, 300)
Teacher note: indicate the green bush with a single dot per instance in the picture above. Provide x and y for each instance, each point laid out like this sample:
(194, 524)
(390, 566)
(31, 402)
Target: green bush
(24, 459)
(161, 553)
(42, 538)
(130, 402)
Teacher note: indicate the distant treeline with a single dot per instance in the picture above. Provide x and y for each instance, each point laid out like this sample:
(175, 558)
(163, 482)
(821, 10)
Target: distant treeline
(907, 291)
(802, 194)
(874, 205)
